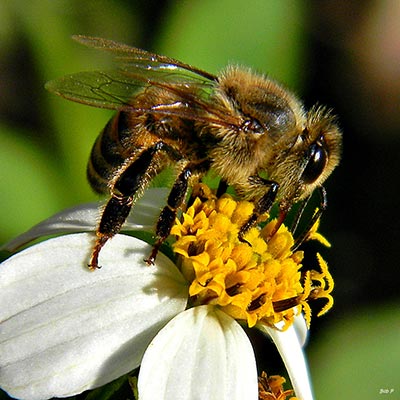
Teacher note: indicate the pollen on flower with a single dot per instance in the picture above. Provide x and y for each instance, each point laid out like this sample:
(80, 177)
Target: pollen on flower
(257, 283)
(271, 388)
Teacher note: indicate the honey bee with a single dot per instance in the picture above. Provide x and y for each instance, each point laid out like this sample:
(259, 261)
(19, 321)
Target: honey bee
(247, 128)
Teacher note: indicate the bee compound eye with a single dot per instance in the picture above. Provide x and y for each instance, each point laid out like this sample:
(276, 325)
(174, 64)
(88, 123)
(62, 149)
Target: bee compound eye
(317, 159)
(253, 126)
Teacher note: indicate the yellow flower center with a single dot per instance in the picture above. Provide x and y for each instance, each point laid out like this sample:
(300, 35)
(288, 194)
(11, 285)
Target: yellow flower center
(257, 281)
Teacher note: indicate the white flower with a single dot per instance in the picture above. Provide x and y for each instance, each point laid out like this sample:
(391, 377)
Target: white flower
(65, 329)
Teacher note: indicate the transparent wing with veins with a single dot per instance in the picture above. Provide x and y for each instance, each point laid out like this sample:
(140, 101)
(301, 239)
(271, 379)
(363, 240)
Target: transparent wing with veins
(136, 70)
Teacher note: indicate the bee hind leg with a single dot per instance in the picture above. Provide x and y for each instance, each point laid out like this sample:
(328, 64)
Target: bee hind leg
(114, 215)
(131, 181)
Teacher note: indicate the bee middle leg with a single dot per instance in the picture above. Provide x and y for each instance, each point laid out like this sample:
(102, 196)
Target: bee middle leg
(132, 180)
(262, 206)
(175, 200)
(222, 188)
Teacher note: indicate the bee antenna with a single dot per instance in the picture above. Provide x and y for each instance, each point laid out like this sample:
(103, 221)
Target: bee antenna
(299, 214)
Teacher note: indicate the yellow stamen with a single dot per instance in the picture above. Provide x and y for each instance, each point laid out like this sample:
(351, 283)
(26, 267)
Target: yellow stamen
(315, 235)
(259, 281)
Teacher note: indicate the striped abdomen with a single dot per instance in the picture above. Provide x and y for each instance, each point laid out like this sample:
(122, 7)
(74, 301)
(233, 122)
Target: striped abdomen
(110, 151)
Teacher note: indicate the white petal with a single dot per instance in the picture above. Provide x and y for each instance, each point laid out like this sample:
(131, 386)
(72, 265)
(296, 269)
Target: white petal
(289, 345)
(201, 354)
(76, 219)
(86, 217)
(65, 329)
(300, 326)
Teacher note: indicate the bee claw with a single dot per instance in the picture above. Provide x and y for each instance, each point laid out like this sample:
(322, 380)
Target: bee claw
(93, 267)
(242, 239)
(153, 255)
(149, 261)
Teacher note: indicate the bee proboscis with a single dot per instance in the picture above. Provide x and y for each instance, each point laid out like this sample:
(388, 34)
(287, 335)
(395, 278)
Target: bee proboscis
(247, 128)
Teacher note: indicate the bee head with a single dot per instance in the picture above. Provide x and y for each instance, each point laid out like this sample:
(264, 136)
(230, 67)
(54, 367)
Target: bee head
(306, 164)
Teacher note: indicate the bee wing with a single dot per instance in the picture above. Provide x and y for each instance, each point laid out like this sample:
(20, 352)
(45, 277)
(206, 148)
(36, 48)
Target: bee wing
(133, 58)
(138, 69)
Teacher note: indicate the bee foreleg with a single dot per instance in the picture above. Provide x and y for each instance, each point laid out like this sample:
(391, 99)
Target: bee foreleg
(262, 206)
(175, 200)
(133, 179)
(322, 207)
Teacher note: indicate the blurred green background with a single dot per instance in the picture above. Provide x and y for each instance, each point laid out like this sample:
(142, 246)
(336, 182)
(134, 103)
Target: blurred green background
(345, 54)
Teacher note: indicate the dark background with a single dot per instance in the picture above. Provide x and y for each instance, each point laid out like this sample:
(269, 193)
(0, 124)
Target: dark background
(345, 54)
